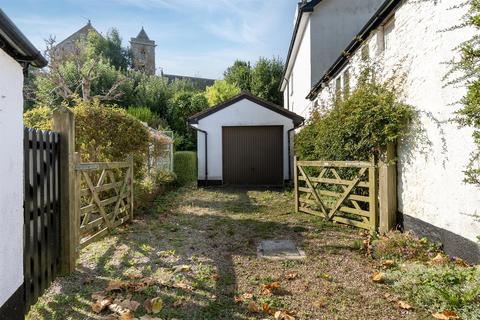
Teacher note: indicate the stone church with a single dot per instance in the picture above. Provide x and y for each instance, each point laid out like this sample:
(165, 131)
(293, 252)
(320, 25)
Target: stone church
(143, 54)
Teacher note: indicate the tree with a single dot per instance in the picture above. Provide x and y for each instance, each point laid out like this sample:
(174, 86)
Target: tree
(266, 79)
(111, 49)
(181, 106)
(81, 73)
(220, 92)
(239, 74)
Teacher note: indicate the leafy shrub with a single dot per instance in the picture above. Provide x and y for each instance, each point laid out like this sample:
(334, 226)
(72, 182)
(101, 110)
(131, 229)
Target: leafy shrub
(185, 166)
(439, 288)
(364, 122)
(109, 134)
(148, 116)
(404, 246)
(147, 189)
(38, 118)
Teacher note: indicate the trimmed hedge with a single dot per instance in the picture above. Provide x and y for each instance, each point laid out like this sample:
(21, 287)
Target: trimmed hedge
(185, 166)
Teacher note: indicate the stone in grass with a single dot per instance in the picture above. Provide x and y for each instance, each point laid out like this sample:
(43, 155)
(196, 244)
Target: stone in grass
(279, 250)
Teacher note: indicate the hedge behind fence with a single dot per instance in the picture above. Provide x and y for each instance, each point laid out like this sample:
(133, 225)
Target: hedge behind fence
(185, 166)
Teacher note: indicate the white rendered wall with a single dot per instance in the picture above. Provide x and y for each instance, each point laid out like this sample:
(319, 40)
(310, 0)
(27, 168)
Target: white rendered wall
(11, 177)
(242, 113)
(301, 75)
(430, 171)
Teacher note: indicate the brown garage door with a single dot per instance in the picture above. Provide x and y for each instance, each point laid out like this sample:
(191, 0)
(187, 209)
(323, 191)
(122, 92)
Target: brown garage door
(253, 155)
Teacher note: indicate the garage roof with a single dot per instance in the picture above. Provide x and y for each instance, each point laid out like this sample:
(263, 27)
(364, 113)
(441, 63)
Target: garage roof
(297, 120)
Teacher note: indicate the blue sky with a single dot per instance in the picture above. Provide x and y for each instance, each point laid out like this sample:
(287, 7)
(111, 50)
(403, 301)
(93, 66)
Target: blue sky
(193, 37)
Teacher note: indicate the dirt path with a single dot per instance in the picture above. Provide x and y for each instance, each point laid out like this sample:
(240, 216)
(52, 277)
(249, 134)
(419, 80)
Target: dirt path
(199, 246)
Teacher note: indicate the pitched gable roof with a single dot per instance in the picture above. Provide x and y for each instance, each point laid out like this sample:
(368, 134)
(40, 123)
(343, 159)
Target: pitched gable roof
(297, 120)
(303, 7)
(82, 32)
(142, 35)
(378, 18)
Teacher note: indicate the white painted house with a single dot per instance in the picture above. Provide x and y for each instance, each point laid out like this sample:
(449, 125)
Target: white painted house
(244, 141)
(16, 54)
(321, 30)
(410, 37)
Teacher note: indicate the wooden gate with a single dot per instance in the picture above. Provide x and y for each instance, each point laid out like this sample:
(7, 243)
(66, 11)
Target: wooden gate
(341, 191)
(106, 197)
(41, 211)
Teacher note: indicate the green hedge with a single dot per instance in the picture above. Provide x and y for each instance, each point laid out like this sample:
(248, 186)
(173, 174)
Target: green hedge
(185, 166)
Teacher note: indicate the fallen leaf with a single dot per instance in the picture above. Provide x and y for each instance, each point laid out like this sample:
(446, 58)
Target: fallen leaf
(378, 277)
(183, 285)
(320, 303)
(389, 263)
(130, 304)
(253, 307)
(157, 305)
(124, 313)
(238, 299)
(247, 295)
(439, 259)
(266, 308)
(215, 277)
(115, 285)
(445, 315)
(404, 305)
(182, 268)
(134, 275)
(283, 315)
(290, 275)
(101, 304)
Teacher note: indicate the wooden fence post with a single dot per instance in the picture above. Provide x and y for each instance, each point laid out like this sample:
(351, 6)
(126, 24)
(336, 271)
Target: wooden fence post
(64, 124)
(388, 189)
(130, 160)
(295, 184)
(373, 193)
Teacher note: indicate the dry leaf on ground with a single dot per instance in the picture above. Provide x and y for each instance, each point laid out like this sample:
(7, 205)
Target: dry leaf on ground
(290, 275)
(247, 295)
(445, 315)
(253, 307)
(439, 259)
(320, 303)
(124, 313)
(267, 309)
(154, 305)
(378, 277)
(403, 305)
(115, 285)
(182, 268)
(389, 263)
(238, 299)
(101, 304)
(283, 315)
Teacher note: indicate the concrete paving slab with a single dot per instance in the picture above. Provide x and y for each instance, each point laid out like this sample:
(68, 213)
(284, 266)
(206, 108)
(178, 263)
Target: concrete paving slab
(279, 250)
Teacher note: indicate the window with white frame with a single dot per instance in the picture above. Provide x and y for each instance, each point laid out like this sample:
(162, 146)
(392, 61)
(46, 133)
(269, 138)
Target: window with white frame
(388, 33)
(342, 83)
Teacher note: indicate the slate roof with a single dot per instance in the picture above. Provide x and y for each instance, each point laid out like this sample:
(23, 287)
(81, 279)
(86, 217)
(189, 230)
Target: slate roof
(142, 38)
(377, 19)
(297, 120)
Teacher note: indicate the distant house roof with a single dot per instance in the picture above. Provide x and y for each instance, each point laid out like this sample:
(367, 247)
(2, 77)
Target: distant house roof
(303, 7)
(15, 44)
(297, 120)
(378, 18)
(82, 32)
(199, 83)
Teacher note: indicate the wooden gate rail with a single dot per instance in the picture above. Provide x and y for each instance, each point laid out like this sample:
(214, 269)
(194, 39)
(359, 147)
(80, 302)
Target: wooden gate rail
(354, 200)
(105, 197)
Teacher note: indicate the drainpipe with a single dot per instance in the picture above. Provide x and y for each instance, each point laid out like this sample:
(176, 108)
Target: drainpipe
(206, 150)
(289, 150)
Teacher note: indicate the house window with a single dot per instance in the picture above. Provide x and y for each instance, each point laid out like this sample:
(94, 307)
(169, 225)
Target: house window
(346, 83)
(365, 52)
(338, 86)
(387, 34)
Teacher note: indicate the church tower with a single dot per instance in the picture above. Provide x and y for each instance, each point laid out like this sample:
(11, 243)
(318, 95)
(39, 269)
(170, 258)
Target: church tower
(143, 53)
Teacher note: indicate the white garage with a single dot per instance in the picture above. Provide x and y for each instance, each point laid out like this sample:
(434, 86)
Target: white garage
(245, 141)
